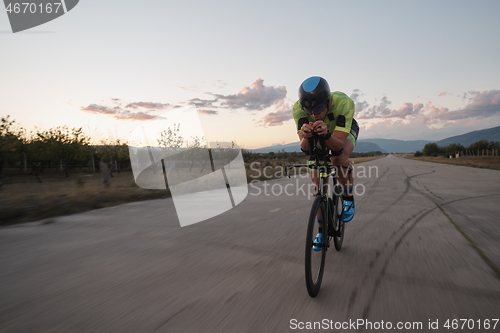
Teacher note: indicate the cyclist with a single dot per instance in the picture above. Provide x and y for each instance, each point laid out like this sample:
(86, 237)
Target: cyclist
(329, 114)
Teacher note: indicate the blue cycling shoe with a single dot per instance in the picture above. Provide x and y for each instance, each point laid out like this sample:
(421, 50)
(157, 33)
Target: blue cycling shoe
(347, 211)
(317, 242)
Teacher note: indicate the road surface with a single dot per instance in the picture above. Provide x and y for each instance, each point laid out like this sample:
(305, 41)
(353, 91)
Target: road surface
(423, 249)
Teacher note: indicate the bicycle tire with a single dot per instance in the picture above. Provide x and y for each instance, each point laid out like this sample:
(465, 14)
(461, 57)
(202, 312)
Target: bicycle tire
(338, 225)
(315, 260)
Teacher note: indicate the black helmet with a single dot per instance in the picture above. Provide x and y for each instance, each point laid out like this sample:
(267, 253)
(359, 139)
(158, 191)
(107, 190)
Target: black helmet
(313, 91)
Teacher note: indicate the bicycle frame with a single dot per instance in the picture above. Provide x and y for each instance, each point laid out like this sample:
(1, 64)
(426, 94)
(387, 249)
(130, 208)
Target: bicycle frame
(319, 155)
(325, 169)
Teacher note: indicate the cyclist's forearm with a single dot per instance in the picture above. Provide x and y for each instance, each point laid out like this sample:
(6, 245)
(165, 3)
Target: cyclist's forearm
(304, 144)
(334, 143)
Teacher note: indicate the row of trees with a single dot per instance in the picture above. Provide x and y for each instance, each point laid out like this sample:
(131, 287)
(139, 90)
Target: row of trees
(65, 149)
(280, 155)
(62, 148)
(476, 149)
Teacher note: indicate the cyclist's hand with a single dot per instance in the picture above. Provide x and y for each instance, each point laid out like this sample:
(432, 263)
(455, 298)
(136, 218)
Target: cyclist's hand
(320, 127)
(307, 130)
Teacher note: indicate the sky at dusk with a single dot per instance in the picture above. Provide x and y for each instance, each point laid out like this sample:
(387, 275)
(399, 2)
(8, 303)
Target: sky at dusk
(415, 69)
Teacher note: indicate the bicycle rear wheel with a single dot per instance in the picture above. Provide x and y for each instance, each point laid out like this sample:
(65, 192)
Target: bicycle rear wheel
(338, 225)
(315, 260)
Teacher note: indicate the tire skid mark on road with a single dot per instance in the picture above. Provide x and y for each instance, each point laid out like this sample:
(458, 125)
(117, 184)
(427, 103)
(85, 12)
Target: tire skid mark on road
(486, 259)
(352, 299)
(469, 240)
(427, 189)
(424, 283)
(469, 220)
(378, 254)
(172, 316)
(391, 253)
(372, 263)
(401, 197)
(405, 228)
(419, 216)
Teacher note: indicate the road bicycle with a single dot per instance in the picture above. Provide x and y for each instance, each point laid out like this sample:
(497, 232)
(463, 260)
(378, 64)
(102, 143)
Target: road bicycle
(327, 203)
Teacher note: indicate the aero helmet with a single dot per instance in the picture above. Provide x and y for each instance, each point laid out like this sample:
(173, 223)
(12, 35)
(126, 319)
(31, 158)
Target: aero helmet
(313, 91)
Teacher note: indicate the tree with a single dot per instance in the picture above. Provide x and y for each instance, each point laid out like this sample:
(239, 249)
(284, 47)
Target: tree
(195, 152)
(11, 144)
(61, 145)
(453, 149)
(431, 149)
(479, 145)
(114, 152)
(171, 138)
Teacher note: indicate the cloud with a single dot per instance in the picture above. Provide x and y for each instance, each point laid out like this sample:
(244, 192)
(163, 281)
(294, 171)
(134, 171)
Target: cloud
(486, 101)
(98, 109)
(415, 130)
(277, 118)
(376, 111)
(442, 93)
(358, 104)
(148, 105)
(129, 112)
(427, 121)
(140, 116)
(207, 112)
(255, 97)
(481, 105)
(407, 109)
(282, 114)
(202, 103)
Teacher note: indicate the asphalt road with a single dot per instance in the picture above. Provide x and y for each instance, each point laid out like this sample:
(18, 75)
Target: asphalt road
(423, 248)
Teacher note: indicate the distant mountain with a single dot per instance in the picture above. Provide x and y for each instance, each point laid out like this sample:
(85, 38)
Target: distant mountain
(361, 147)
(289, 148)
(399, 146)
(490, 134)
(366, 147)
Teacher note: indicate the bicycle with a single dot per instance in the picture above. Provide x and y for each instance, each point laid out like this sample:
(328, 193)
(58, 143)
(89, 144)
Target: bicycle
(329, 204)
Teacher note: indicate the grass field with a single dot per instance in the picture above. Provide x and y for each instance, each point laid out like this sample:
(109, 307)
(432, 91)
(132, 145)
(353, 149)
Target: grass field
(486, 162)
(24, 199)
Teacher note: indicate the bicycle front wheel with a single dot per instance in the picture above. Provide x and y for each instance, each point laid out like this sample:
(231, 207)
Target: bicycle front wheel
(315, 258)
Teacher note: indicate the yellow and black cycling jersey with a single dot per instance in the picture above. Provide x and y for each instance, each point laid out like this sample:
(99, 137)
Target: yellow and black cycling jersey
(340, 116)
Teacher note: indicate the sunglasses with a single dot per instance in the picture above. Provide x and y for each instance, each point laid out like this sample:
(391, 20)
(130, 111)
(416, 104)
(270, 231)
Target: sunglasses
(315, 109)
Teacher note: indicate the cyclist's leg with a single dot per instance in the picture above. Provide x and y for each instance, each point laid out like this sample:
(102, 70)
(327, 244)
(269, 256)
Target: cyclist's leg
(346, 178)
(315, 177)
